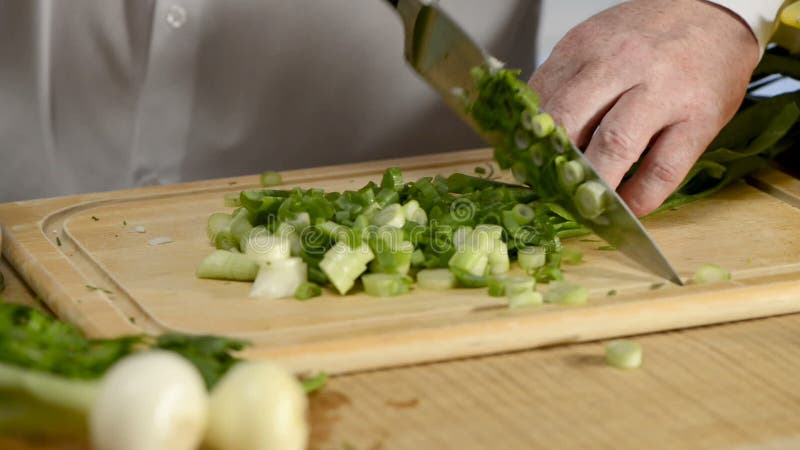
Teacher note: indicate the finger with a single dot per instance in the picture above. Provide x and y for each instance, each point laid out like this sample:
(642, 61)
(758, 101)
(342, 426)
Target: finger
(665, 165)
(625, 131)
(557, 69)
(580, 103)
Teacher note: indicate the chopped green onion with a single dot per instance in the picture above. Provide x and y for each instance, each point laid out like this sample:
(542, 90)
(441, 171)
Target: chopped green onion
(279, 278)
(391, 216)
(225, 265)
(523, 214)
(531, 258)
(385, 284)
(315, 383)
(497, 286)
(271, 178)
(566, 294)
(218, 223)
(262, 246)
(624, 354)
(542, 125)
(414, 213)
(524, 298)
(390, 258)
(417, 258)
(392, 179)
(307, 290)
(711, 273)
(342, 265)
(590, 199)
(570, 173)
(469, 280)
(436, 279)
(224, 240)
(499, 262)
(470, 259)
(519, 283)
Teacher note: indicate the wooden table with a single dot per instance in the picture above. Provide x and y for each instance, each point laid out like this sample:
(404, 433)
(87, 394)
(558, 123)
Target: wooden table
(731, 386)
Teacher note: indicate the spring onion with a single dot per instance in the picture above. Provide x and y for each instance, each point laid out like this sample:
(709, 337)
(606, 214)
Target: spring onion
(566, 294)
(524, 298)
(343, 264)
(624, 354)
(307, 290)
(497, 285)
(225, 265)
(590, 199)
(270, 178)
(711, 273)
(279, 278)
(385, 284)
(436, 279)
(531, 258)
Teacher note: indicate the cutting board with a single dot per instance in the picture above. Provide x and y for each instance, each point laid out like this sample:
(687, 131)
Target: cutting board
(84, 257)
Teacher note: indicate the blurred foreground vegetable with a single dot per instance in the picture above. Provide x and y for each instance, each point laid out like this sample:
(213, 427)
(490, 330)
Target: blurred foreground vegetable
(140, 392)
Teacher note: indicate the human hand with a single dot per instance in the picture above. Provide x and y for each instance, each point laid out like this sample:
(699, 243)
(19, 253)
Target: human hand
(663, 74)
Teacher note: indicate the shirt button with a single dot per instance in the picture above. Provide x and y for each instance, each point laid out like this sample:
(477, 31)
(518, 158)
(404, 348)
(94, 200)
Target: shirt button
(176, 16)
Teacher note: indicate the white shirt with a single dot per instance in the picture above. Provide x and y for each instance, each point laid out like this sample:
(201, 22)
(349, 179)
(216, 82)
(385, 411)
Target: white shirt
(107, 94)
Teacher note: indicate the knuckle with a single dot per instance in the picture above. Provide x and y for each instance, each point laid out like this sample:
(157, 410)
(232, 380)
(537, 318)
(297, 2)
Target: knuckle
(615, 144)
(664, 173)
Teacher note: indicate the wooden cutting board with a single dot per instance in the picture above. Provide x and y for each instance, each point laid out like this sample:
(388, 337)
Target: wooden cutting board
(83, 256)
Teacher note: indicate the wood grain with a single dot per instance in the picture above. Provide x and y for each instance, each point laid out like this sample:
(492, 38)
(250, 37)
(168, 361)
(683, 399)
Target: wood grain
(153, 288)
(730, 386)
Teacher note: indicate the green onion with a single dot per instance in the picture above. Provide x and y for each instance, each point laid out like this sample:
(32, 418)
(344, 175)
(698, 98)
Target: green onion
(497, 286)
(711, 273)
(225, 265)
(385, 284)
(391, 216)
(271, 178)
(519, 283)
(391, 258)
(417, 258)
(218, 223)
(570, 173)
(542, 125)
(524, 298)
(279, 278)
(499, 262)
(523, 214)
(307, 290)
(342, 265)
(624, 354)
(315, 383)
(262, 246)
(436, 279)
(470, 280)
(392, 179)
(531, 258)
(224, 240)
(566, 294)
(590, 199)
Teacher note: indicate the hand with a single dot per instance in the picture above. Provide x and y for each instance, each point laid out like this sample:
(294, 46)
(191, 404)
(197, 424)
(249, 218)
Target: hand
(663, 74)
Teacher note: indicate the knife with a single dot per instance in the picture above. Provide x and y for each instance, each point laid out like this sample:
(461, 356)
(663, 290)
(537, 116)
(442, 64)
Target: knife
(442, 54)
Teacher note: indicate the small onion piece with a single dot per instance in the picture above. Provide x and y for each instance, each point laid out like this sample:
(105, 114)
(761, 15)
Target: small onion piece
(624, 354)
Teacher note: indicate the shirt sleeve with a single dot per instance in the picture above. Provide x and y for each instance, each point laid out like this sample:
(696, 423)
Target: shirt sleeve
(759, 14)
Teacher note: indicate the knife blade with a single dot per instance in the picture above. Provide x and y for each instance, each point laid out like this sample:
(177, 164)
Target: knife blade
(443, 54)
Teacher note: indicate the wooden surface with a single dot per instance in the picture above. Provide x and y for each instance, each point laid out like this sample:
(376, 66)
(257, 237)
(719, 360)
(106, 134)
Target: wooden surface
(153, 288)
(724, 387)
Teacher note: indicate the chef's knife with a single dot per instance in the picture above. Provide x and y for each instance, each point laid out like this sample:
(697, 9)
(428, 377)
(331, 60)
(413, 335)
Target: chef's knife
(443, 54)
